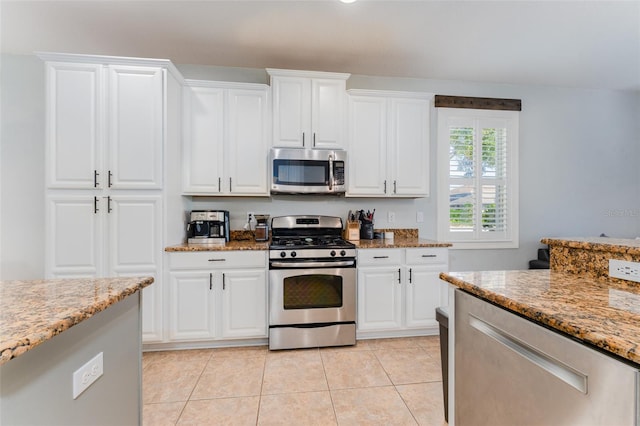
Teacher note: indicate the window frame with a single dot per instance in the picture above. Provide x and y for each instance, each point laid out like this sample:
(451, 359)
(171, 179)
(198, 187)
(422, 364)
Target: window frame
(444, 233)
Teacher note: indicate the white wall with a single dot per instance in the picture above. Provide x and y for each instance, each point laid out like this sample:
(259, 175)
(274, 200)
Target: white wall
(21, 167)
(579, 174)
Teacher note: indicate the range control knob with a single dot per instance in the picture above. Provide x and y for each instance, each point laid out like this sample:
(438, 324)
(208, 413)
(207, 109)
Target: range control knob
(342, 252)
(293, 254)
(333, 253)
(283, 254)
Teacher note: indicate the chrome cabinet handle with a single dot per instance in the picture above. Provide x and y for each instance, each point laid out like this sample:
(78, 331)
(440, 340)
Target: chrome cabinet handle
(399, 278)
(224, 286)
(394, 187)
(380, 257)
(95, 178)
(109, 204)
(314, 139)
(229, 184)
(110, 175)
(429, 255)
(218, 260)
(410, 275)
(211, 281)
(385, 186)
(95, 205)
(303, 139)
(219, 184)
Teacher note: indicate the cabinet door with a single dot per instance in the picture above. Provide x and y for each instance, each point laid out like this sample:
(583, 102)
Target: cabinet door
(367, 145)
(291, 111)
(135, 127)
(328, 107)
(135, 233)
(244, 303)
(74, 236)
(422, 295)
(379, 299)
(247, 145)
(409, 147)
(191, 301)
(203, 140)
(74, 125)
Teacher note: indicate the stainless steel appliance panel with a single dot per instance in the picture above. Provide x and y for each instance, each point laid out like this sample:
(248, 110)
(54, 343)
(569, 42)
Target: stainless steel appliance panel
(312, 337)
(308, 171)
(309, 296)
(511, 371)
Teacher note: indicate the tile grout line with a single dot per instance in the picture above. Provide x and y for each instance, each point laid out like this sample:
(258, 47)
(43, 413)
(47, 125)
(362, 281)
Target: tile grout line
(194, 387)
(324, 370)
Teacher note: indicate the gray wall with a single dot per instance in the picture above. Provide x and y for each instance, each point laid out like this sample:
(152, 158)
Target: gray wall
(579, 173)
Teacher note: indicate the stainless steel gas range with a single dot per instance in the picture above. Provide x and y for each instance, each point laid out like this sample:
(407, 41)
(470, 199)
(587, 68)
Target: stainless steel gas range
(312, 283)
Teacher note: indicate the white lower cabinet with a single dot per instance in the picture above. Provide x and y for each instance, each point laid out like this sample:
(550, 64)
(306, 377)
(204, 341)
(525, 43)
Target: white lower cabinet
(399, 290)
(217, 295)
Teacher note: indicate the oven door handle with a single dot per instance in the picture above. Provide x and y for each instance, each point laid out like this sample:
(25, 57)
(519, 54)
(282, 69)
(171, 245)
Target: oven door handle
(341, 263)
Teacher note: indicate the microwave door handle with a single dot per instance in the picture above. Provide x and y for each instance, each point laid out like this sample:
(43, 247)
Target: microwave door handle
(330, 172)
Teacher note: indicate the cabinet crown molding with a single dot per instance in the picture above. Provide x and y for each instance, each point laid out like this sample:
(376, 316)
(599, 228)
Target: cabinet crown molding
(274, 72)
(224, 84)
(390, 93)
(111, 60)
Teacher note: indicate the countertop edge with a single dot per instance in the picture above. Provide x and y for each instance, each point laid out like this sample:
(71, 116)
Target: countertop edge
(13, 348)
(609, 344)
(248, 245)
(612, 245)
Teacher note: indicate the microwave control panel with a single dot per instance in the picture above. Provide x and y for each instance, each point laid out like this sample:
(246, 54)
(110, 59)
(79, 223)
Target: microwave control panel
(338, 172)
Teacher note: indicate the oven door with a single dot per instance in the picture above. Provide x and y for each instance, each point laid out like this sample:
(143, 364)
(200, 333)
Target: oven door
(312, 296)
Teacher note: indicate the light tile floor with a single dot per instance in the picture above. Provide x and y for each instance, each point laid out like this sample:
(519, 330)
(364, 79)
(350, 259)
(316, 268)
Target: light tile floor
(376, 382)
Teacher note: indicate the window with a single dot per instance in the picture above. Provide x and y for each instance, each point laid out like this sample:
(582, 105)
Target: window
(478, 178)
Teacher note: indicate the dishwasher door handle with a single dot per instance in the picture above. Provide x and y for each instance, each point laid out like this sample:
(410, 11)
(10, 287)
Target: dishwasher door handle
(551, 365)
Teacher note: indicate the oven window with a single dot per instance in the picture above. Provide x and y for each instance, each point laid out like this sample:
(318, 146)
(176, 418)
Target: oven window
(301, 172)
(313, 291)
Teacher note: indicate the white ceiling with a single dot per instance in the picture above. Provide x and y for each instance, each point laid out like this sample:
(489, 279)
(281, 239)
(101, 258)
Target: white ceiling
(591, 44)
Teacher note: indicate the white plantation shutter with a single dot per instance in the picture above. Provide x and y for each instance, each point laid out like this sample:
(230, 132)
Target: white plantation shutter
(477, 192)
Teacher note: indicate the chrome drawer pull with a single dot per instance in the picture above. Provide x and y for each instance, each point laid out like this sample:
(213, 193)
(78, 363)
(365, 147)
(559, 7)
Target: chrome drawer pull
(429, 255)
(217, 260)
(380, 257)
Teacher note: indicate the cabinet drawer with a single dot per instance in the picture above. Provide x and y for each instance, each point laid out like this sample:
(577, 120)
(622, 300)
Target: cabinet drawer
(425, 256)
(379, 257)
(218, 259)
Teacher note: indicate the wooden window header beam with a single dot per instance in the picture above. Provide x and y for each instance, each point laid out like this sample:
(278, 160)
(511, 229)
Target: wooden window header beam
(442, 101)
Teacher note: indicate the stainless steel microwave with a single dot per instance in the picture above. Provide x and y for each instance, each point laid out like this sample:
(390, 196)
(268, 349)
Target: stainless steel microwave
(308, 171)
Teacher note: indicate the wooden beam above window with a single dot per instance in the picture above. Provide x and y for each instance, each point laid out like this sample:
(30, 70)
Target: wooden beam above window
(442, 101)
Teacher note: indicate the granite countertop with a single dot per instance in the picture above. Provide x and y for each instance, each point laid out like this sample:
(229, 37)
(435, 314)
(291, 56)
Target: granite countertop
(613, 245)
(244, 240)
(32, 312)
(601, 313)
(399, 242)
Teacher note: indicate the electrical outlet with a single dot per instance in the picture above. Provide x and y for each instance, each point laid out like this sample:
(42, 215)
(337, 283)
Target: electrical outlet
(419, 217)
(624, 269)
(391, 217)
(84, 376)
(250, 217)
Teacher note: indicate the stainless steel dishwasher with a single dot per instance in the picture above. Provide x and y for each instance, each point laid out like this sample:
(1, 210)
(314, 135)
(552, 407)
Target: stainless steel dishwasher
(511, 371)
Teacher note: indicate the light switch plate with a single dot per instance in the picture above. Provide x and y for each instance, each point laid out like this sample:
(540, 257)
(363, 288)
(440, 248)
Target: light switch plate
(84, 376)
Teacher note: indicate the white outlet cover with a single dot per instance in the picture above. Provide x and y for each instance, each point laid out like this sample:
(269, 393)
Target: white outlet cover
(84, 376)
(624, 270)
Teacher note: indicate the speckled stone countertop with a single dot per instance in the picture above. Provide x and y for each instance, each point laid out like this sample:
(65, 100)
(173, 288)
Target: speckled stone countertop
(598, 312)
(399, 242)
(243, 240)
(32, 312)
(590, 256)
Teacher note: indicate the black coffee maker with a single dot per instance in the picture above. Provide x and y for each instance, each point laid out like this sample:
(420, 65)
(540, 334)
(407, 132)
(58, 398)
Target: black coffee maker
(208, 227)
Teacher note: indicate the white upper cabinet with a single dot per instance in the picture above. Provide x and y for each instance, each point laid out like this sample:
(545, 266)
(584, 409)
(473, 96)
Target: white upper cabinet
(135, 127)
(308, 109)
(388, 144)
(104, 126)
(226, 146)
(75, 119)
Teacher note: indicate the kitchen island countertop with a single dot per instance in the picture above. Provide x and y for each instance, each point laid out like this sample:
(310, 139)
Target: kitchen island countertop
(32, 312)
(598, 312)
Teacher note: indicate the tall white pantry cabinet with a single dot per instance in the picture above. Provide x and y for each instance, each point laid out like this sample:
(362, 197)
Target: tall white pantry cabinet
(107, 123)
